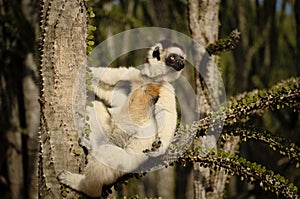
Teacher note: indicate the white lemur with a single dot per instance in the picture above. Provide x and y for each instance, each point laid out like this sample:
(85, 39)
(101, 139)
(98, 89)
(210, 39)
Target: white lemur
(133, 118)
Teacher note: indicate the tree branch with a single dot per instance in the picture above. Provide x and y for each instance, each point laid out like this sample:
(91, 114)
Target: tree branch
(242, 107)
(224, 44)
(234, 164)
(284, 146)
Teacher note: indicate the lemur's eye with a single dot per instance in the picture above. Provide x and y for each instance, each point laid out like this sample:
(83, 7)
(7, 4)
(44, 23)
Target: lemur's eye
(172, 58)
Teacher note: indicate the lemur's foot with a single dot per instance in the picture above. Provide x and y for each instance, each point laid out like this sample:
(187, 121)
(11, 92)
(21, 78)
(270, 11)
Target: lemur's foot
(155, 146)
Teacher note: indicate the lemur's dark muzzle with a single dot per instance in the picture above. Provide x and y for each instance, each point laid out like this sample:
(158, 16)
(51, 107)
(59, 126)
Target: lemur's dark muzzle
(175, 61)
(180, 64)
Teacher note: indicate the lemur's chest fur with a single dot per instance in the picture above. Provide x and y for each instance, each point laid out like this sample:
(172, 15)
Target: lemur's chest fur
(133, 112)
(141, 102)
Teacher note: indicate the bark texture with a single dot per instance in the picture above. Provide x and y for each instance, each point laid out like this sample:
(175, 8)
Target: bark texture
(203, 25)
(63, 27)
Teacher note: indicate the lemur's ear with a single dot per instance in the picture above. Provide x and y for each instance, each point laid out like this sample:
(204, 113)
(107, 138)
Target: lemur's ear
(156, 53)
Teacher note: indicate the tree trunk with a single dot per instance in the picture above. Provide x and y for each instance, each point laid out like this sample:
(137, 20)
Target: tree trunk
(63, 29)
(203, 24)
(32, 114)
(31, 104)
(18, 101)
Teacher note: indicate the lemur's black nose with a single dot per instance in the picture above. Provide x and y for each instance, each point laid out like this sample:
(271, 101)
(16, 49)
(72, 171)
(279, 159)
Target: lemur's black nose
(181, 64)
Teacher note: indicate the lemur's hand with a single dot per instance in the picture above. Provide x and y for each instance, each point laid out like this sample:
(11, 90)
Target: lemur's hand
(155, 146)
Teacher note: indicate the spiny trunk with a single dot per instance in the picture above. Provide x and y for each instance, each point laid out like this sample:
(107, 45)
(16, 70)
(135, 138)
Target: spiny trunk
(63, 28)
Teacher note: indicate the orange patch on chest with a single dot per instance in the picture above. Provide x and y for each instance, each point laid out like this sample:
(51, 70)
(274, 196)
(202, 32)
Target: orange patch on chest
(141, 102)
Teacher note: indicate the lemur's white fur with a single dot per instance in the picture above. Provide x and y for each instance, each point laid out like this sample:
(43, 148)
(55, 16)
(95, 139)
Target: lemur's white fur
(134, 109)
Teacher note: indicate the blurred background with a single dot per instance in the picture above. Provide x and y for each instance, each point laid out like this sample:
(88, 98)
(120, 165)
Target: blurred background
(268, 52)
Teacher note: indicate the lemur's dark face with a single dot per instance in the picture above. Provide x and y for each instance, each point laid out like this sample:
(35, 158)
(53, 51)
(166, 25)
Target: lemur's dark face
(175, 61)
(165, 61)
(171, 53)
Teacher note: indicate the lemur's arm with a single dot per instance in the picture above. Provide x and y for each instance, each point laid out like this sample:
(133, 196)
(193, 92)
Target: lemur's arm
(108, 80)
(166, 118)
